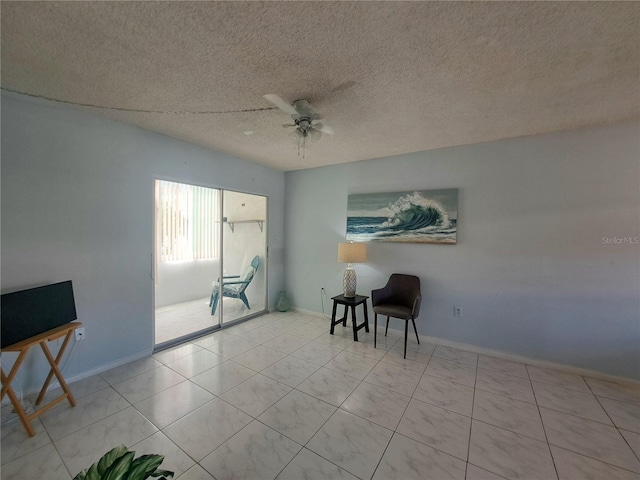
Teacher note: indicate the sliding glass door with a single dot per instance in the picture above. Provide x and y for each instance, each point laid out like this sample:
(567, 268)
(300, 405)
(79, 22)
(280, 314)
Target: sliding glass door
(209, 261)
(244, 255)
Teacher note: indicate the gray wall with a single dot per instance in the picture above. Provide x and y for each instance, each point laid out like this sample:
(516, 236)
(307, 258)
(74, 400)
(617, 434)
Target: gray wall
(531, 270)
(77, 203)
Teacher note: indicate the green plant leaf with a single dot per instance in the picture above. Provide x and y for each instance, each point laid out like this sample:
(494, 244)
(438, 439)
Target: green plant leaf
(119, 468)
(92, 473)
(119, 464)
(144, 466)
(89, 474)
(111, 456)
(164, 473)
(82, 475)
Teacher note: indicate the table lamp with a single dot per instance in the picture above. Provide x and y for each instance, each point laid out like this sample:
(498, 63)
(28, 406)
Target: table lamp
(349, 253)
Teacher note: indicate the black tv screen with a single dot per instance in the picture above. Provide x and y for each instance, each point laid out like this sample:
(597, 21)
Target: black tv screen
(30, 312)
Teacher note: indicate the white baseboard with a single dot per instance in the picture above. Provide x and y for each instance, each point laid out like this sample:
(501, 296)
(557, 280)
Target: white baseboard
(109, 366)
(310, 313)
(512, 357)
(534, 362)
(81, 376)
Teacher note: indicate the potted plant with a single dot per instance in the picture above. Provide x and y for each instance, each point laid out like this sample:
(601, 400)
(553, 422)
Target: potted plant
(120, 464)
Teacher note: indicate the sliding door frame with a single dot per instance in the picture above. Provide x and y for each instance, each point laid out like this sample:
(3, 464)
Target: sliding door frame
(221, 232)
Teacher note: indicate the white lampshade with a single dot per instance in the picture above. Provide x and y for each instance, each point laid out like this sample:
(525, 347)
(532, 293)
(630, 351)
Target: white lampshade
(349, 252)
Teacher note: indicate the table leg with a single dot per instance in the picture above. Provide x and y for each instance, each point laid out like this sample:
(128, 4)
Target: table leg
(55, 370)
(24, 347)
(353, 320)
(344, 317)
(333, 317)
(6, 381)
(15, 401)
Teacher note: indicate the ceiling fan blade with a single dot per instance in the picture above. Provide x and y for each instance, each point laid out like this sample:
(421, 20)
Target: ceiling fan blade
(315, 134)
(283, 105)
(324, 128)
(287, 125)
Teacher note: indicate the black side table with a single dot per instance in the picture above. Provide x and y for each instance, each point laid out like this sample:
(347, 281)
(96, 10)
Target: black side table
(352, 302)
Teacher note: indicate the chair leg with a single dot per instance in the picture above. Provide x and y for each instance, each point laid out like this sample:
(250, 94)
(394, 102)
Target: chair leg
(375, 329)
(406, 329)
(214, 303)
(214, 293)
(415, 330)
(245, 300)
(386, 329)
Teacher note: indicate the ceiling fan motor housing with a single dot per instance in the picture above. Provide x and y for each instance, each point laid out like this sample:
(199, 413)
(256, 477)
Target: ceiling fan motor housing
(304, 124)
(303, 108)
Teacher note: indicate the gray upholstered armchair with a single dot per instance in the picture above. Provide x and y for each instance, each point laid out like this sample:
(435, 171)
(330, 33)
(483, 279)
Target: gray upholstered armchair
(399, 298)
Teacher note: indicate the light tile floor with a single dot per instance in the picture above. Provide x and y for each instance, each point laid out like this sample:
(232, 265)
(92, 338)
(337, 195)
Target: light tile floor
(278, 397)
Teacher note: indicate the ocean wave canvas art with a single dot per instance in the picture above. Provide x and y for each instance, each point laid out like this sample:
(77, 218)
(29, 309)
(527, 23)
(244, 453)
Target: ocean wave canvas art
(423, 216)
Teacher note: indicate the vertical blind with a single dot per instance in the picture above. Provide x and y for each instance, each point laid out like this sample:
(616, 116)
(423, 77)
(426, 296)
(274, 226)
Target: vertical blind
(186, 222)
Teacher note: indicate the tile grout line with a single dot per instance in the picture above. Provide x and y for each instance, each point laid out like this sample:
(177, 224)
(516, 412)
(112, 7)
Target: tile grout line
(473, 402)
(616, 426)
(395, 431)
(544, 429)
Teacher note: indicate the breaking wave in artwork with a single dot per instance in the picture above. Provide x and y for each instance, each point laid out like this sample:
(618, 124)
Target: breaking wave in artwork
(414, 212)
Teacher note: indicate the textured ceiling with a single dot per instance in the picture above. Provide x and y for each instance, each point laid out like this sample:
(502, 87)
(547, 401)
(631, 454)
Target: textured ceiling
(388, 77)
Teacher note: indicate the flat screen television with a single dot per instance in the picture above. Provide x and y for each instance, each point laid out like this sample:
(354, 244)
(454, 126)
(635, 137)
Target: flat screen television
(27, 313)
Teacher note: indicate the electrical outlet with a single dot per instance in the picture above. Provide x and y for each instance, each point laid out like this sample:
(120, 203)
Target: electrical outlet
(457, 311)
(79, 334)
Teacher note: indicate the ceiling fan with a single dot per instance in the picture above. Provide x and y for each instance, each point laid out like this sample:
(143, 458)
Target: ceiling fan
(303, 119)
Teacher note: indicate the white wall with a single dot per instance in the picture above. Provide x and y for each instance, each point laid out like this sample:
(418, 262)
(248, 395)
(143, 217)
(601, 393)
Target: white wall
(178, 282)
(531, 270)
(77, 203)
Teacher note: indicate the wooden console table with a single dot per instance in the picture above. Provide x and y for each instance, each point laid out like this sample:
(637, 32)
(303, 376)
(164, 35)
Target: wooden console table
(23, 348)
